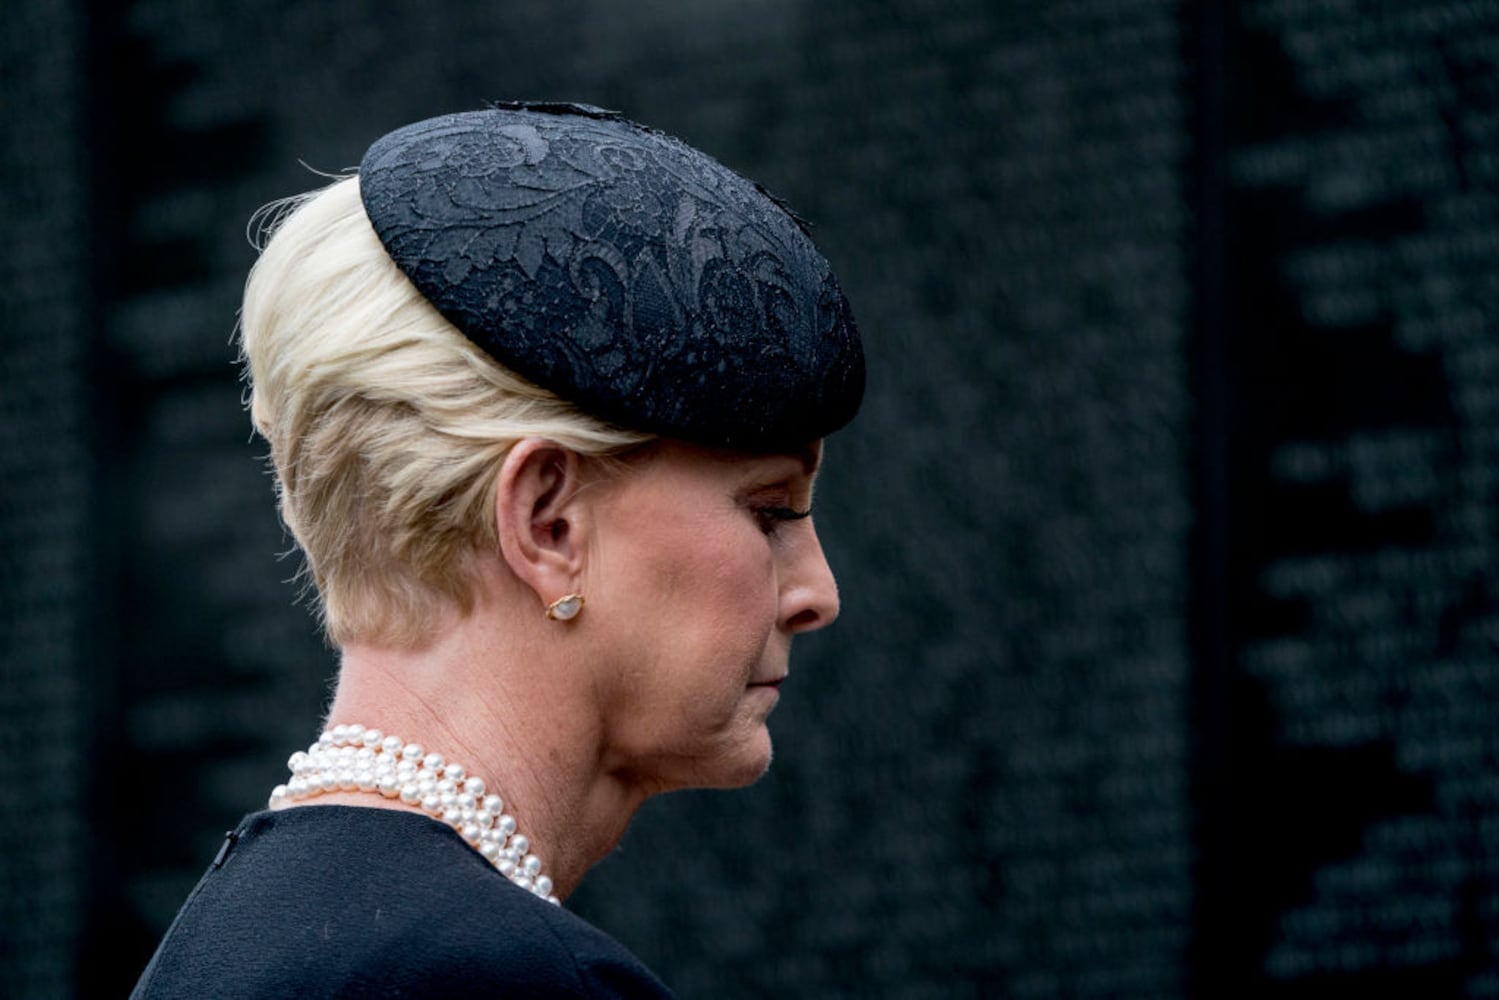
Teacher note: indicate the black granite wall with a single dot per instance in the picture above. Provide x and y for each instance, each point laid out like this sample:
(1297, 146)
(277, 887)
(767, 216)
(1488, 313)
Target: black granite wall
(1166, 538)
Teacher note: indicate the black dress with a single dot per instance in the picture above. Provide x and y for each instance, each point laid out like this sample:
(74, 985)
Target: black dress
(340, 901)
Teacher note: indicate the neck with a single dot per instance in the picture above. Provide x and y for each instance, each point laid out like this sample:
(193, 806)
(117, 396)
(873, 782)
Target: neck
(518, 721)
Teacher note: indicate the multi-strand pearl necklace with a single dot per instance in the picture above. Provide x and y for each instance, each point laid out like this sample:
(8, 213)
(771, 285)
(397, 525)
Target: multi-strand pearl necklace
(355, 759)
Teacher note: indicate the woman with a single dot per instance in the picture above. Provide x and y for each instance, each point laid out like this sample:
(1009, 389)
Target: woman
(545, 393)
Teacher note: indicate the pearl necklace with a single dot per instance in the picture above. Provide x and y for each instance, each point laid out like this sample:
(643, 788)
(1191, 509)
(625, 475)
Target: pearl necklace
(355, 759)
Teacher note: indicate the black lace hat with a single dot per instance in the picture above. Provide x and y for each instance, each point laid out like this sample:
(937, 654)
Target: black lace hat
(620, 268)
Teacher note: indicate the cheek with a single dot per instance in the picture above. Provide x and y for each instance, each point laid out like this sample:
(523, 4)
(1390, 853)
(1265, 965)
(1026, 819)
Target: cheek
(711, 559)
(727, 579)
(698, 582)
(740, 565)
(746, 602)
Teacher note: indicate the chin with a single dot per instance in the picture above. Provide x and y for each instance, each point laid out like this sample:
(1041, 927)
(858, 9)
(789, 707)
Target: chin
(755, 768)
(739, 768)
(749, 775)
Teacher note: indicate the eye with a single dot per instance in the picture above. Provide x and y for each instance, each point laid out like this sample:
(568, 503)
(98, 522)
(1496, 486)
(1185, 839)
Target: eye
(772, 517)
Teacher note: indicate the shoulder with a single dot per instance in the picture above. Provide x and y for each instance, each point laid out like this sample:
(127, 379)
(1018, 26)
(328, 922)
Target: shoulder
(328, 900)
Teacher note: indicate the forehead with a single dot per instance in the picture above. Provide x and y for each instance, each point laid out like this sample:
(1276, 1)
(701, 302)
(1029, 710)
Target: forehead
(665, 460)
(805, 460)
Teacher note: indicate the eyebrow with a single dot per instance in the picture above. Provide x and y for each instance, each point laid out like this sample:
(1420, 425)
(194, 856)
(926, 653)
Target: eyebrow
(810, 455)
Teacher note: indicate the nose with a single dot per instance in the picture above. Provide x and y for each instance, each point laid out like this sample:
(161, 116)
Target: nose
(809, 593)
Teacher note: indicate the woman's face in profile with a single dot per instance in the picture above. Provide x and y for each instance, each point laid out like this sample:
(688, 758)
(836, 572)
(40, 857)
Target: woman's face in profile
(703, 568)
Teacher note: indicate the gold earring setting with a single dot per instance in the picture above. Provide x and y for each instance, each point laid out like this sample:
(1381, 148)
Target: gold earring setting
(566, 608)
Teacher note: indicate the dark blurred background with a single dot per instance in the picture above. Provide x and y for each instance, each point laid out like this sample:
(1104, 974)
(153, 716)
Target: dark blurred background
(1167, 665)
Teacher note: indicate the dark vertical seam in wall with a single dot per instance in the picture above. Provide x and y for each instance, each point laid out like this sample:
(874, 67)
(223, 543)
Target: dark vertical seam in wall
(1209, 725)
(104, 915)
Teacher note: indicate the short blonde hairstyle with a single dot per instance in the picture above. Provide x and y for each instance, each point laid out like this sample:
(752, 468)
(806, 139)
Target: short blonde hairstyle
(387, 426)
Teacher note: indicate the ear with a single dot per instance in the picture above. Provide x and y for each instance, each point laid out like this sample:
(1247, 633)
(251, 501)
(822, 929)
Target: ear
(540, 518)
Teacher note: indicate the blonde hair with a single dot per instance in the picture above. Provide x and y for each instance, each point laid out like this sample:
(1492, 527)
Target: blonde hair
(387, 426)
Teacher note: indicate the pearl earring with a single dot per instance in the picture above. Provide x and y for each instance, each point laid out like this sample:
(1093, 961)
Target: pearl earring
(565, 609)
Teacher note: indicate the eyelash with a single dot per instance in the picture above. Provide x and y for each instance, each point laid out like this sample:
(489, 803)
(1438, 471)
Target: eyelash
(771, 518)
